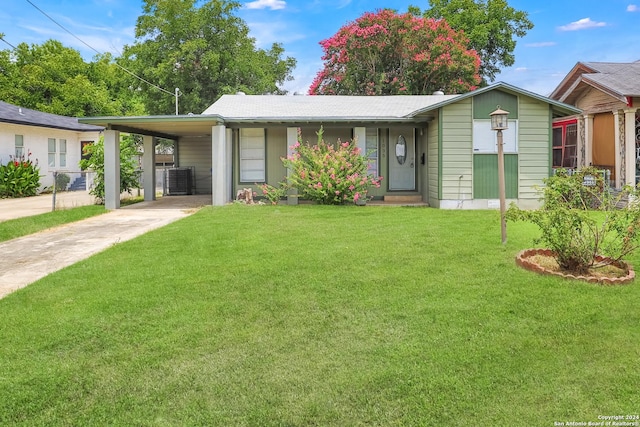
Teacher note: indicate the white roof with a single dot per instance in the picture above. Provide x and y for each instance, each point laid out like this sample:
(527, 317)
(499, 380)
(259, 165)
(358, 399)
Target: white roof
(319, 107)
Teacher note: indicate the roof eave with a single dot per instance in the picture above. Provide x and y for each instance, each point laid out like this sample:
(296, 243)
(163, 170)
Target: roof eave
(606, 89)
(561, 90)
(560, 107)
(124, 120)
(49, 126)
(327, 119)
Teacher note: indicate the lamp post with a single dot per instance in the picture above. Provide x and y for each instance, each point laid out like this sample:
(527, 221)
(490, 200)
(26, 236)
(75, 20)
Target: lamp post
(499, 123)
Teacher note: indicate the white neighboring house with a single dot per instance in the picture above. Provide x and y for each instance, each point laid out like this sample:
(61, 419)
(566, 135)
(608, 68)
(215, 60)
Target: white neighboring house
(55, 141)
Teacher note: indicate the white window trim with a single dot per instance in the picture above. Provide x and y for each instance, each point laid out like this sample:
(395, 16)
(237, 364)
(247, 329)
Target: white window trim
(19, 149)
(62, 154)
(252, 154)
(373, 156)
(485, 140)
(50, 153)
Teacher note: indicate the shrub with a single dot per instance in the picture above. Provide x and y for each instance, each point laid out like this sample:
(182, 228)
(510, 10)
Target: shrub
(329, 174)
(578, 222)
(62, 180)
(19, 178)
(274, 194)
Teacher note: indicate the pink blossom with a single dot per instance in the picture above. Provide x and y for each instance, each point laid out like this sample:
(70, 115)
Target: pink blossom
(356, 197)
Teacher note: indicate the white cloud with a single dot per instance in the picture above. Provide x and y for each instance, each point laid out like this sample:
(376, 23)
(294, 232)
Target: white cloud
(633, 8)
(582, 24)
(541, 44)
(266, 4)
(521, 69)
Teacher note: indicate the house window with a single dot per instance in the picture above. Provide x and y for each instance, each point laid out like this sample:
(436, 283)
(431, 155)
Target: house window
(372, 151)
(252, 155)
(19, 146)
(485, 139)
(52, 152)
(63, 153)
(565, 140)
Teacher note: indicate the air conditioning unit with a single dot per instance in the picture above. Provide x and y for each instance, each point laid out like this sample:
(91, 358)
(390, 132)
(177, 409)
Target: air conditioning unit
(179, 181)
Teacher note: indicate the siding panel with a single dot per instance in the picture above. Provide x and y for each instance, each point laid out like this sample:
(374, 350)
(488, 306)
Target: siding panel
(534, 140)
(432, 161)
(485, 176)
(196, 153)
(457, 151)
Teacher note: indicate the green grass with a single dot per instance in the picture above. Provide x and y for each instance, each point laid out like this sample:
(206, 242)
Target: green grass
(19, 227)
(312, 315)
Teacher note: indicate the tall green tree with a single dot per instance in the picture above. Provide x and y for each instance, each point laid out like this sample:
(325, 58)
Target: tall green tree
(55, 79)
(492, 27)
(203, 49)
(386, 53)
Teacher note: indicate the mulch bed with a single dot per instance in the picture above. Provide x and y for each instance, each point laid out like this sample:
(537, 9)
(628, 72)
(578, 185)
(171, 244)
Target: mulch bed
(542, 261)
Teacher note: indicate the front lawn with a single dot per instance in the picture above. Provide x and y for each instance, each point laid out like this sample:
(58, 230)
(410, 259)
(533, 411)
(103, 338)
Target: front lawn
(18, 227)
(314, 315)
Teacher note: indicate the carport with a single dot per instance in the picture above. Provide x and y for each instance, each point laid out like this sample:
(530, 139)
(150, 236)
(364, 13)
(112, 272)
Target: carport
(193, 134)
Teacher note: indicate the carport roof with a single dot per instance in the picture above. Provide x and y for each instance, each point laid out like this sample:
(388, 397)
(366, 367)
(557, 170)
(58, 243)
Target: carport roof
(170, 127)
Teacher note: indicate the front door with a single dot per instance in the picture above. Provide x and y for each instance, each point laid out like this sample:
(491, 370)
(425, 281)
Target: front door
(402, 160)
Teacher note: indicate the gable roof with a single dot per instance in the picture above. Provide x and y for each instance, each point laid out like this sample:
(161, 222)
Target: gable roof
(10, 113)
(618, 80)
(332, 108)
(558, 108)
(335, 108)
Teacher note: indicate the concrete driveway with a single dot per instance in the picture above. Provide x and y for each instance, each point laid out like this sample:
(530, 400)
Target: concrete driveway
(27, 259)
(27, 206)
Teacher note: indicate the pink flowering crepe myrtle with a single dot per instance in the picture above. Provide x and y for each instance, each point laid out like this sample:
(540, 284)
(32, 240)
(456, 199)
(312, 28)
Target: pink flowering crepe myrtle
(326, 173)
(385, 53)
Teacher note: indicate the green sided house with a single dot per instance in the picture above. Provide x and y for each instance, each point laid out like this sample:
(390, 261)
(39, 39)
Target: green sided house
(438, 149)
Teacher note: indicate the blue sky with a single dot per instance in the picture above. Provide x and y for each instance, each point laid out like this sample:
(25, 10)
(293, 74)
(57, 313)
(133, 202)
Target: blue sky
(565, 32)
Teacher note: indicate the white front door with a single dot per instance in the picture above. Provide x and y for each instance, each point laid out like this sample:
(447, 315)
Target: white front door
(402, 159)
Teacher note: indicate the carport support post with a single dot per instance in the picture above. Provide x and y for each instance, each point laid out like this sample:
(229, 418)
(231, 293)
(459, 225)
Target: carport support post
(111, 169)
(220, 169)
(149, 167)
(630, 146)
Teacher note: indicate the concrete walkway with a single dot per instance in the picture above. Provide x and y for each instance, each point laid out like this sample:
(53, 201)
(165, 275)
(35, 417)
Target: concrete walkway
(27, 259)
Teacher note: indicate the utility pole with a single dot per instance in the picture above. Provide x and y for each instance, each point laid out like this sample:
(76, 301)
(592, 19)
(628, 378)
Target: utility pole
(177, 95)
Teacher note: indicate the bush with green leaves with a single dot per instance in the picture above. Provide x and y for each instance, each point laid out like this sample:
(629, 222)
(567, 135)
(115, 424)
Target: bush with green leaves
(581, 219)
(129, 173)
(62, 180)
(274, 194)
(328, 174)
(20, 177)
